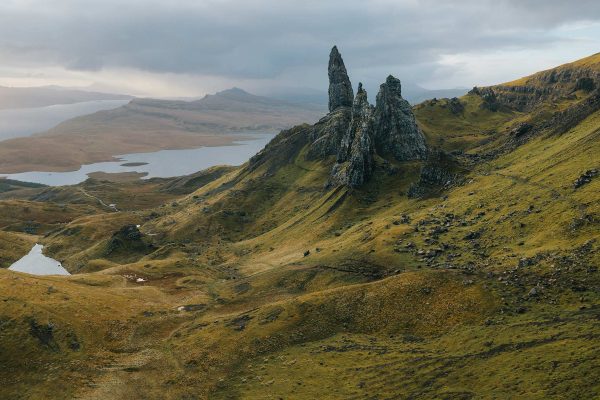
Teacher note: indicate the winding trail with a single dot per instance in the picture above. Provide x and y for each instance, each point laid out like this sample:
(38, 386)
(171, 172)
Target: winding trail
(112, 207)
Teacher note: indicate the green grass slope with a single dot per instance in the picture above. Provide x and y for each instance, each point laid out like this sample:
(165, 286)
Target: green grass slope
(259, 282)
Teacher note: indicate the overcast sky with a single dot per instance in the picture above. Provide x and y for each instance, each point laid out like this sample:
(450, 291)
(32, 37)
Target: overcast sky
(191, 47)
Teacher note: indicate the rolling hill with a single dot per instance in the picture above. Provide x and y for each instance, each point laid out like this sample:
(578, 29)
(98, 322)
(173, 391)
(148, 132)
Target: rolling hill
(447, 250)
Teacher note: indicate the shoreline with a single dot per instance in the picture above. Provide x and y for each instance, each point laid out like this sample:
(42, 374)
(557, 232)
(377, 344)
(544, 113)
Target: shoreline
(73, 165)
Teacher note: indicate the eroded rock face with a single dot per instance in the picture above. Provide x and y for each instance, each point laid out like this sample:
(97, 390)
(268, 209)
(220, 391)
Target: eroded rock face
(355, 159)
(395, 128)
(560, 122)
(340, 88)
(355, 132)
(455, 106)
(327, 134)
(547, 85)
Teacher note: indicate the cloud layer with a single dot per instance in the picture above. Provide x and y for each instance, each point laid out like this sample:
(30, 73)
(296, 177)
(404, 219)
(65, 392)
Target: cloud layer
(286, 42)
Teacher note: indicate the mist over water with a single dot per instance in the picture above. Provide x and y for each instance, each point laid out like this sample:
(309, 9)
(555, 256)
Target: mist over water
(21, 122)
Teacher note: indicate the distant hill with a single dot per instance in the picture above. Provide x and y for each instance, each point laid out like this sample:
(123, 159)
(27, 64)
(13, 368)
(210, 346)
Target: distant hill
(416, 94)
(412, 92)
(146, 125)
(235, 100)
(7, 185)
(28, 97)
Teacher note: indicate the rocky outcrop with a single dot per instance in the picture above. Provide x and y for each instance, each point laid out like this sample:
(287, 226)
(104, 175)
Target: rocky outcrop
(489, 99)
(586, 178)
(340, 88)
(554, 85)
(327, 134)
(360, 134)
(395, 129)
(558, 123)
(521, 129)
(44, 333)
(355, 159)
(127, 240)
(455, 106)
(586, 84)
(440, 172)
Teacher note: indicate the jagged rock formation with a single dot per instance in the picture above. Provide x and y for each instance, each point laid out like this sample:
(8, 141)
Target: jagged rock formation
(327, 134)
(355, 158)
(356, 135)
(490, 100)
(395, 129)
(340, 88)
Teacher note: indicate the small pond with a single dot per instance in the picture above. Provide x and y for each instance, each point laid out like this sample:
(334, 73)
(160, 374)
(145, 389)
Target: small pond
(36, 263)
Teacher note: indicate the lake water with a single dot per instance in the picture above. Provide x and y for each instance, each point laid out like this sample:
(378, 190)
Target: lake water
(21, 122)
(160, 164)
(36, 263)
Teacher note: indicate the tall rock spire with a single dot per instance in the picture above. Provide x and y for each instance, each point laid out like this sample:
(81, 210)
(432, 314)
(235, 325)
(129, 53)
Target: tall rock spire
(340, 88)
(355, 158)
(395, 129)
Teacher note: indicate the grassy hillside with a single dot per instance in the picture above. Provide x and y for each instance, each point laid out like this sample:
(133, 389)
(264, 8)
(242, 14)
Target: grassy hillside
(589, 64)
(260, 282)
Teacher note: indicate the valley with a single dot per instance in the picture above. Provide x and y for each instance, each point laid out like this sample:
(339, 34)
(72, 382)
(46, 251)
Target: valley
(443, 250)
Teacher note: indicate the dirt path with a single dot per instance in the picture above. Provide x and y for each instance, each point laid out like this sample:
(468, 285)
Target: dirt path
(110, 206)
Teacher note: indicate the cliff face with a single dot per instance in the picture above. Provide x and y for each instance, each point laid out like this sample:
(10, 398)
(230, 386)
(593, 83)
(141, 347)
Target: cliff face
(327, 134)
(340, 88)
(355, 157)
(395, 128)
(552, 85)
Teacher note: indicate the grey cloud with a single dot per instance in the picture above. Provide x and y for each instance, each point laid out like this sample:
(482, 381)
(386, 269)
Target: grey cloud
(261, 39)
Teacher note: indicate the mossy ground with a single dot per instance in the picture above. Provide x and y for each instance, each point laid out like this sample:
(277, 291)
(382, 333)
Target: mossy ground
(264, 284)
(519, 357)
